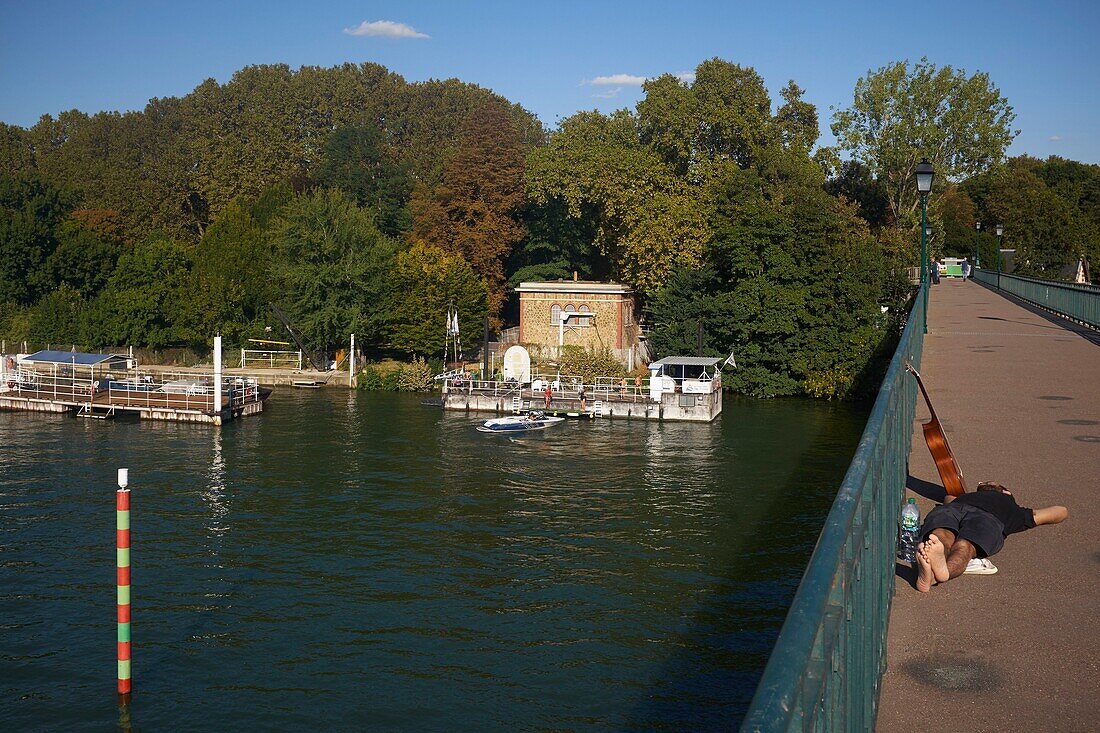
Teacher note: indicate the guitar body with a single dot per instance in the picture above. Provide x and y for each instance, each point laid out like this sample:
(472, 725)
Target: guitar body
(936, 440)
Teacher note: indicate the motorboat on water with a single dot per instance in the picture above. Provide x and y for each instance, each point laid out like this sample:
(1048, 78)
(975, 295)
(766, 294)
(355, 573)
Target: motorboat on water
(519, 423)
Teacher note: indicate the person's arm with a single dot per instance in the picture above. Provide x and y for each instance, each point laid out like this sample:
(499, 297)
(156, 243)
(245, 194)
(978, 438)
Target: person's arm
(1050, 515)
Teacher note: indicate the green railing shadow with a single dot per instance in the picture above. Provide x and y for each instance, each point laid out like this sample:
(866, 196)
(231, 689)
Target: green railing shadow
(826, 668)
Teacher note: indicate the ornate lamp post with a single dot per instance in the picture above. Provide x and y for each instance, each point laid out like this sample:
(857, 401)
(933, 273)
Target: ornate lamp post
(1000, 234)
(977, 244)
(924, 175)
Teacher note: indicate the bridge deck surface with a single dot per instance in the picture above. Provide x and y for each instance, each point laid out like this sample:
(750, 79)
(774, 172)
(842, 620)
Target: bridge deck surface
(1018, 393)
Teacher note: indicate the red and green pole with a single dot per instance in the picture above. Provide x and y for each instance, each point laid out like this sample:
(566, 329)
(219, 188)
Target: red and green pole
(122, 547)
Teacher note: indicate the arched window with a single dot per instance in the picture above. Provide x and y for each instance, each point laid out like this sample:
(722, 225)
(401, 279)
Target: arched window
(584, 321)
(570, 321)
(555, 314)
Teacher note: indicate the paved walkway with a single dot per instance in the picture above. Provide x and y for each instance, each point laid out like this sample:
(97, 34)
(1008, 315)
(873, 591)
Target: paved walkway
(1018, 394)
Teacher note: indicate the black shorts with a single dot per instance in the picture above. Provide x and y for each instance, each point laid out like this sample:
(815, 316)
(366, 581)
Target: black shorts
(969, 523)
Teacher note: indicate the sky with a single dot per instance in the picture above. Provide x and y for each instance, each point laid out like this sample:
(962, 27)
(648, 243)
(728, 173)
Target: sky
(559, 58)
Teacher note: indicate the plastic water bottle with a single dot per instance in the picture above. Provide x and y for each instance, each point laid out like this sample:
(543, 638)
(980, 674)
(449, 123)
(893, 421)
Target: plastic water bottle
(910, 531)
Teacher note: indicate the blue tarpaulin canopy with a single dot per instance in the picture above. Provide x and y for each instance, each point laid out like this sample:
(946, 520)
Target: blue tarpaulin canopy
(73, 358)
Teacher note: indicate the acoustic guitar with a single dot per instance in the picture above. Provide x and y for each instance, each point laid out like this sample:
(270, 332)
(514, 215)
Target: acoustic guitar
(936, 439)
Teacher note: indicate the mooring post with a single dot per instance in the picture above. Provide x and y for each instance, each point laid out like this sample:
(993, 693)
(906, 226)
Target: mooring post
(351, 363)
(122, 580)
(217, 376)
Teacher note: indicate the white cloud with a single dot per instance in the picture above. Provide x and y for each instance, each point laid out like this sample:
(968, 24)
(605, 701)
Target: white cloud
(609, 94)
(633, 80)
(629, 80)
(1055, 138)
(385, 29)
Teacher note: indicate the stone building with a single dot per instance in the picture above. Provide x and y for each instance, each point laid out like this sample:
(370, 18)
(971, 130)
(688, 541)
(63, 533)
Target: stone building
(571, 313)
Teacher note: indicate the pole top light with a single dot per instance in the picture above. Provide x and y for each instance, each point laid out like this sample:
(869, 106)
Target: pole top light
(123, 477)
(1000, 229)
(978, 225)
(924, 176)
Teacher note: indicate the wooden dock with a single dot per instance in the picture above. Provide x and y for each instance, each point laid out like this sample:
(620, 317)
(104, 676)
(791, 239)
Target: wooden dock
(151, 402)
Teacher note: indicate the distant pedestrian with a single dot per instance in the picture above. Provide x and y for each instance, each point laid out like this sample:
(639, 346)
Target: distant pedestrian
(622, 387)
(548, 393)
(966, 270)
(935, 269)
(638, 385)
(584, 396)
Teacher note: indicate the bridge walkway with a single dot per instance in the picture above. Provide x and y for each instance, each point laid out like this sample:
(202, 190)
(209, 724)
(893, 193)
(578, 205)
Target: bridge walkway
(1018, 393)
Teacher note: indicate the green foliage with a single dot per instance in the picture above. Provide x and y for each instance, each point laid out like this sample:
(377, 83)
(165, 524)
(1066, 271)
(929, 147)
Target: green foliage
(424, 283)
(58, 318)
(330, 269)
(792, 285)
(900, 114)
(82, 260)
(30, 211)
(645, 218)
(230, 281)
(589, 363)
(415, 376)
(359, 163)
(144, 298)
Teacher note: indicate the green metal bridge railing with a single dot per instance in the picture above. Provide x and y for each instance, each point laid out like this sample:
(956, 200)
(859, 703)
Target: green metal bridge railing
(1079, 302)
(826, 668)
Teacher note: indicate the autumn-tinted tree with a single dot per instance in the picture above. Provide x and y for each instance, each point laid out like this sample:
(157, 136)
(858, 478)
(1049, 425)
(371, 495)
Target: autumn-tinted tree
(473, 211)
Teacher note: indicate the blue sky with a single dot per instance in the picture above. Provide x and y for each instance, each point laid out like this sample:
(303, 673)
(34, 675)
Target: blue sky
(116, 55)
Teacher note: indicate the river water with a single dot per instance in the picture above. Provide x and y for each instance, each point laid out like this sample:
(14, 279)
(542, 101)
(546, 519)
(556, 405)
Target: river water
(360, 562)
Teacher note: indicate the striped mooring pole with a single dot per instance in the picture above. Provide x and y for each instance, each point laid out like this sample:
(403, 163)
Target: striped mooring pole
(122, 547)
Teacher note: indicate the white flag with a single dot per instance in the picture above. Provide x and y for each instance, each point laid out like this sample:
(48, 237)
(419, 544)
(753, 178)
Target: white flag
(454, 327)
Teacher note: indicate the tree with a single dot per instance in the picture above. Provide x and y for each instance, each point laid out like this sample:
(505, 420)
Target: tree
(330, 264)
(357, 161)
(474, 210)
(425, 284)
(230, 281)
(144, 298)
(792, 284)
(30, 211)
(82, 260)
(856, 184)
(900, 115)
(723, 117)
(646, 219)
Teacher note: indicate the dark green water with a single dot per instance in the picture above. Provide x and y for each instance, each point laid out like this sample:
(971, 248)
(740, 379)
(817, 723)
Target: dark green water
(360, 562)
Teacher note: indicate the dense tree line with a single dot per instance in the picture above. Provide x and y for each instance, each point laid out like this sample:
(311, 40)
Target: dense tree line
(359, 202)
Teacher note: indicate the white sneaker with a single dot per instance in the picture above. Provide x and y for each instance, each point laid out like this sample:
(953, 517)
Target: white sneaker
(980, 566)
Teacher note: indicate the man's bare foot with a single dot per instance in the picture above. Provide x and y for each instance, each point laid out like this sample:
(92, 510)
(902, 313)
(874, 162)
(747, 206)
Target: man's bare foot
(933, 549)
(925, 576)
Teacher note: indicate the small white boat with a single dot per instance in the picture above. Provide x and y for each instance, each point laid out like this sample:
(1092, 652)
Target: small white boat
(519, 423)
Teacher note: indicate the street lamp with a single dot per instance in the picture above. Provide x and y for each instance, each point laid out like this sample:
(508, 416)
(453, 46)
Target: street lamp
(1000, 234)
(924, 174)
(977, 244)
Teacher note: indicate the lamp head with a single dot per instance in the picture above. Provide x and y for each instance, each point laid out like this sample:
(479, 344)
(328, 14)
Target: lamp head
(1000, 229)
(925, 174)
(978, 225)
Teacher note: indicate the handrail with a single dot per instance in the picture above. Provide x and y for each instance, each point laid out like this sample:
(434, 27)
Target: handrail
(1077, 301)
(825, 670)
